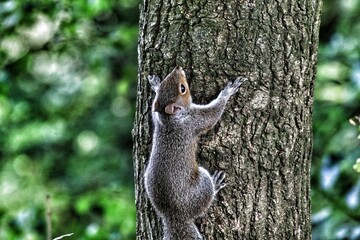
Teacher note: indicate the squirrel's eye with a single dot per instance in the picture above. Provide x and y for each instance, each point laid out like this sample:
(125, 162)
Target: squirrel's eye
(182, 88)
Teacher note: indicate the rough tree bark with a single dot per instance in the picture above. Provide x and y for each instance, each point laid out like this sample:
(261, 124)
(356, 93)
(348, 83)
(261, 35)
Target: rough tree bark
(264, 140)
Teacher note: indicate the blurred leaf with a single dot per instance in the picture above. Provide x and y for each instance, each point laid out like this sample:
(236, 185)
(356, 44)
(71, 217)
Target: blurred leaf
(357, 165)
(332, 71)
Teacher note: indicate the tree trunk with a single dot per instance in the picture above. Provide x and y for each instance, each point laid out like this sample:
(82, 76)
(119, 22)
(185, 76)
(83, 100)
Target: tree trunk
(264, 140)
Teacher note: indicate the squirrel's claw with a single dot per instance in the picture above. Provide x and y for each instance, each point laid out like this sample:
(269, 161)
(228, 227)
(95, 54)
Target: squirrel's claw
(238, 81)
(218, 179)
(233, 87)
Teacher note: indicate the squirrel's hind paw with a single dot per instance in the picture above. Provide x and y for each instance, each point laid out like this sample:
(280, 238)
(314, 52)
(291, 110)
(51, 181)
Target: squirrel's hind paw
(218, 179)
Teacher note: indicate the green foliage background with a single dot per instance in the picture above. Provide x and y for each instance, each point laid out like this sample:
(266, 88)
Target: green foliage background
(68, 73)
(67, 93)
(335, 183)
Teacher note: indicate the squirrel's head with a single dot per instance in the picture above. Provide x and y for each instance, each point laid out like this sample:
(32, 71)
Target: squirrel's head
(173, 94)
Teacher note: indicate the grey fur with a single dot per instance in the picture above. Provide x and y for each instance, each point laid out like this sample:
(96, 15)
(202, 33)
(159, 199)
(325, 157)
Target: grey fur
(177, 187)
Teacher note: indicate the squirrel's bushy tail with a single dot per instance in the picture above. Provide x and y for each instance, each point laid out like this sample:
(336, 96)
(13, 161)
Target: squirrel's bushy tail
(181, 230)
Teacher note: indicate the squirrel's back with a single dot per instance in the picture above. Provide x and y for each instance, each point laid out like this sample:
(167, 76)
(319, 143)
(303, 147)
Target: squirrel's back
(171, 169)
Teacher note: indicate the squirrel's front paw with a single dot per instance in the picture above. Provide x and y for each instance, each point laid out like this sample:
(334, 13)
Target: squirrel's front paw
(233, 87)
(218, 179)
(154, 82)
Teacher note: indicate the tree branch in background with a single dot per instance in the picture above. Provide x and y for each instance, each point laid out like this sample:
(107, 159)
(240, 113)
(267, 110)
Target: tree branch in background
(48, 216)
(48, 220)
(65, 235)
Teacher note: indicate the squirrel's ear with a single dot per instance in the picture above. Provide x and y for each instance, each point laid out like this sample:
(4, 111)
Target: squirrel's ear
(156, 106)
(154, 82)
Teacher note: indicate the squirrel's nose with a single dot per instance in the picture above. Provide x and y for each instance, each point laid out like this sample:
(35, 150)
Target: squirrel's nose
(180, 70)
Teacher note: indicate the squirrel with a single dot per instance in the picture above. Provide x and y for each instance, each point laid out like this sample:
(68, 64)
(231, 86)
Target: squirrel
(178, 188)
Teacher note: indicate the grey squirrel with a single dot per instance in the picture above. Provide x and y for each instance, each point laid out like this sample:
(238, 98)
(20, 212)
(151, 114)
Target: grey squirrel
(177, 187)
